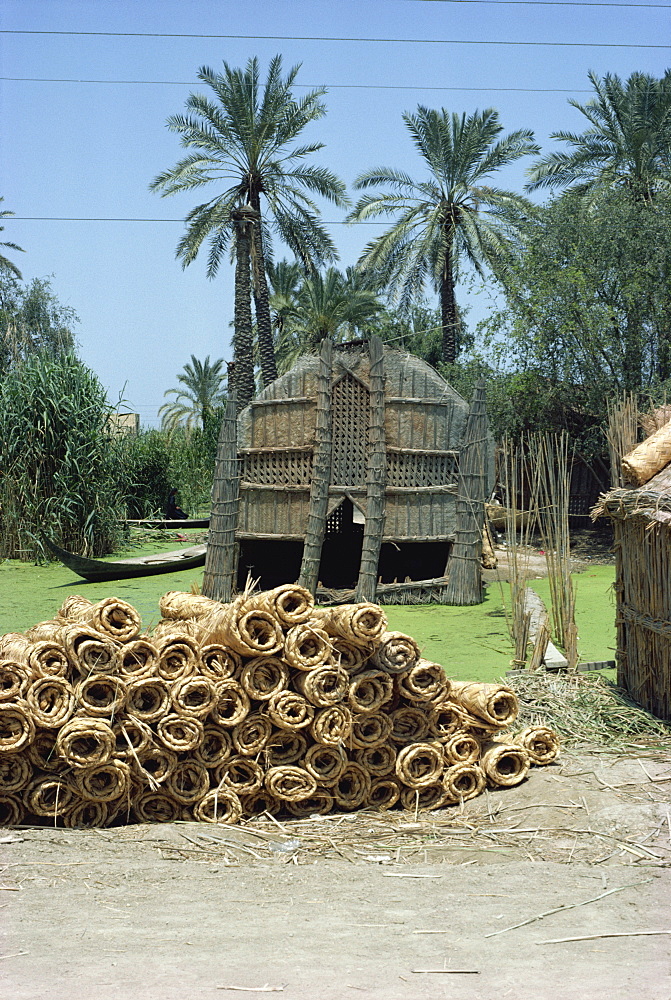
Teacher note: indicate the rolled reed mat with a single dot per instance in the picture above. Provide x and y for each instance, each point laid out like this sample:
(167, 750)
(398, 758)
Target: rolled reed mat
(261, 802)
(504, 764)
(264, 676)
(352, 789)
(409, 725)
(463, 781)
(495, 704)
(188, 782)
(325, 764)
(445, 719)
(156, 807)
(14, 679)
(331, 726)
(323, 686)
(17, 728)
(45, 630)
(461, 748)
(90, 652)
(219, 662)
(15, 772)
(138, 658)
(101, 695)
(289, 603)
(307, 647)
(221, 805)
(194, 696)
(104, 782)
(12, 812)
(290, 710)
(379, 761)
(284, 747)
(242, 774)
(112, 617)
(132, 737)
(369, 691)
(49, 658)
(424, 682)
(290, 783)
(232, 704)
(178, 604)
(154, 765)
(350, 656)
(427, 797)
(419, 765)
(178, 656)
(541, 743)
(179, 733)
(86, 814)
(215, 748)
(396, 653)
(51, 701)
(15, 646)
(42, 752)
(72, 607)
(85, 742)
(48, 796)
(360, 623)
(250, 633)
(252, 734)
(369, 730)
(384, 793)
(319, 804)
(148, 699)
(177, 629)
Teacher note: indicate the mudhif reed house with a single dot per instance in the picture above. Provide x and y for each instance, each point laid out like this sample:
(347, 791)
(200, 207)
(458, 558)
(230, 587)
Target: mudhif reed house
(360, 474)
(641, 518)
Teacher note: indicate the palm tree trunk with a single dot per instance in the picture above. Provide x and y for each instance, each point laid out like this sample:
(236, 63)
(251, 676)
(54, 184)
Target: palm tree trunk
(448, 312)
(264, 327)
(242, 321)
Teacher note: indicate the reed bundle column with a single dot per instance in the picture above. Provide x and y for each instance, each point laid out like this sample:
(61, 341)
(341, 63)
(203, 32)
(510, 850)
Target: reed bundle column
(321, 474)
(221, 561)
(376, 478)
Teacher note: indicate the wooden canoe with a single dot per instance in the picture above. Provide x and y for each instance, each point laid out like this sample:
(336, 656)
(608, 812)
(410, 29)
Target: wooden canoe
(150, 522)
(99, 570)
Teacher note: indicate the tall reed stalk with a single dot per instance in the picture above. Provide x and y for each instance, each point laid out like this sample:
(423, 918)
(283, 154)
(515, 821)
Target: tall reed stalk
(621, 433)
(519, 529)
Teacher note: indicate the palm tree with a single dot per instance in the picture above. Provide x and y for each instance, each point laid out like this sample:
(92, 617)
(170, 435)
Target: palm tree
(244, 144)
(450, 217)
(628, 143)
(202, 394)
(4, 261)
(333, 304)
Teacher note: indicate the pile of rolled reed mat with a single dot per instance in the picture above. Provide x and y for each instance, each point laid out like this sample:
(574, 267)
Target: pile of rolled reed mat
(264, 705)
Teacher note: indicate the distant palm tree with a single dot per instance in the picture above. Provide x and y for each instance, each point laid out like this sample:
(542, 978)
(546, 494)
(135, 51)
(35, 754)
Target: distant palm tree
(4, 261)
(244, 141)
(201, 396)
(450, 217)
(628, 144)
(333, 304)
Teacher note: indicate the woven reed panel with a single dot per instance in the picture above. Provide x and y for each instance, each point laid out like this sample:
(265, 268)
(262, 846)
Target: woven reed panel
(273, 512)
(281, 467)
(420, 515)
(350, 408)
(283, 423)
(427, 469)
(423, 424)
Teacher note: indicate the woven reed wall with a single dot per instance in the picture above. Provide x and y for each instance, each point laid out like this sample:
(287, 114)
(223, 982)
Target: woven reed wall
(643, 589)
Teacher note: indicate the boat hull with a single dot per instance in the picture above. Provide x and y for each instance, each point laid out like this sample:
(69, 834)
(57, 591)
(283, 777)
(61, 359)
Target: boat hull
(98, 570)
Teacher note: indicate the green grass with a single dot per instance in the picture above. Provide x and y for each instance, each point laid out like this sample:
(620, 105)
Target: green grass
(472, 643)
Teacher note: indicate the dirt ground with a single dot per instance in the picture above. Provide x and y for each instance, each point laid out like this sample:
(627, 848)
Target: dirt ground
(386, 906)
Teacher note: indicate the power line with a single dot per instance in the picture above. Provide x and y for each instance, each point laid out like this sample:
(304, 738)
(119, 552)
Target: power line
(335, 38)
(546, 3)
(311, 86)
(63, 218)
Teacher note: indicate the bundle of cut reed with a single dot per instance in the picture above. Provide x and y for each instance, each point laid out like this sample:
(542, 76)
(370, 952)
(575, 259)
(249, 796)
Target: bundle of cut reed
(111, 617)
(494, 705)
(504, 764)
(396, 653)
(540, 742)
(358, 623)
(14, 678)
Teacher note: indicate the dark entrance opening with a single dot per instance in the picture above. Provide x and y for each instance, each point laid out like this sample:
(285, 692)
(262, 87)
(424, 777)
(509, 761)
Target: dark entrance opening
(412, 561)
(341, 551)
(271, 562)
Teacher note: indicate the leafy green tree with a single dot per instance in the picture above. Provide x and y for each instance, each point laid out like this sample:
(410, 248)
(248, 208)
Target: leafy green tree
(628, 143)
(244, 142)
(201, 395)
(5, 263)
(450, 218)
(32, 320)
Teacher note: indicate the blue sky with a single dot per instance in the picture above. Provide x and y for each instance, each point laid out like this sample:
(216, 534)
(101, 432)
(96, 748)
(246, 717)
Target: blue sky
(85, 150)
